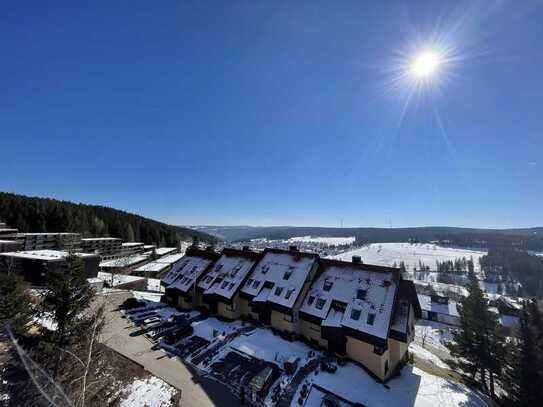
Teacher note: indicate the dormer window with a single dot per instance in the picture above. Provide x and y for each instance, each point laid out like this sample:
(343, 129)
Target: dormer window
(311, 299)
(256, 283)
(371, 319)
(287, 275)
(194, 269)
(327, 285)
(361, 294)
(320, 303)
(208, 279)
(265, 269)
(289, 293)
(224, 284)
(278, 291)
(230, 286)
(249, 282)
(218, 268)
(355, 314)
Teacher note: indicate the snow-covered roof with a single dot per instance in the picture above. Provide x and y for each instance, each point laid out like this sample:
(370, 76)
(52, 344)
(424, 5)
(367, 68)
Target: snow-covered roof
(368, 293)
(132, 244)
(123, 261)
(172, 258)
(152, 267)
(44, 254)
(447, 309)
(185, 273)
(285, 271)
(228, 272)
(162, 251)
(97, 239)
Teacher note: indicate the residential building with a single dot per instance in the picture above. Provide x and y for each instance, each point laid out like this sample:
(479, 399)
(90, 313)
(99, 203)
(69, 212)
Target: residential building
(273, 293)
(7, 233)
(9, 246)
(361, 311)
(123, 265)
(440, 309)
(220, 287)
(35, 265)
(159, 266)
(132, 248)
(49, 241)
(107, 247)
(181, 281)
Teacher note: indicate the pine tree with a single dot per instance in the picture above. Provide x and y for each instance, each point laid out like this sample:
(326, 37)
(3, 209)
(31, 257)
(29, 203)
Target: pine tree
(15, 306)
(477, 348)
(524, 372)
(68, 295)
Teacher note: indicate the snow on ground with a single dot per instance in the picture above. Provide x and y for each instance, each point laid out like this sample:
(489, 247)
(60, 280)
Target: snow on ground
(426, 355)
(434, 334)
(206, 328)
(148, 392)
(263, 344)
(387, 254)
(413, 388)
(46, 320)
(143, 295)
(324, 240)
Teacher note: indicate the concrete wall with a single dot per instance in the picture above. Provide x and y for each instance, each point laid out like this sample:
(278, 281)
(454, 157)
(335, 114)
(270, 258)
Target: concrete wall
(229, 311)
(281, 322)
(362, 352)
(312, 331)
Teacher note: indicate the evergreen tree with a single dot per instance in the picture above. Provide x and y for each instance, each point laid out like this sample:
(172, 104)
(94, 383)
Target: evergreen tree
(477, 348)
(68, 295)
(524, 371)
(15, 306)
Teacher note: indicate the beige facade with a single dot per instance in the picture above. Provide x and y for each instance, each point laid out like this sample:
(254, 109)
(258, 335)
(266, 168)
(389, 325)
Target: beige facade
(363, 353)
(229, 311)
(312, 332)
(284, 322)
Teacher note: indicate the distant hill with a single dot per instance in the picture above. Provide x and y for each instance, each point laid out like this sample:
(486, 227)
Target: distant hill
(528, 239)
(30, 214)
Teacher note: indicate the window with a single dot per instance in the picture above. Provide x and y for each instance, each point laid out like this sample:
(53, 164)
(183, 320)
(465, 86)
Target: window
(278, 290)
(361, 294)
(264, 269)
(320, 303)
(311, 299)
(289, 293)
(194, 269)
(208, 279)
(219, 266)
(287, 275)
(355, 314)
(231, 286)
(249, 282)
(224, 284)
(327, 285)
(371, 319)
(256, 283)
(231, 307)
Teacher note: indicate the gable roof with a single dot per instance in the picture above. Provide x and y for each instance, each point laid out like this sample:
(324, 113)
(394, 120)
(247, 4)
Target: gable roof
(284, 272)
(364, 295)
(229, 272)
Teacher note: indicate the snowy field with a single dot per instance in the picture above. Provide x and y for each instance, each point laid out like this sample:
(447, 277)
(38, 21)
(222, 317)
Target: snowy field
(387, 254)
(324, 240)
(148, 392)
(413, 388)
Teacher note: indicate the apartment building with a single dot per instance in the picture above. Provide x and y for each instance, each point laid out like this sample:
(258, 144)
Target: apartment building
(9, 246)
(274, 292)
(35, 265)
(361, 311)
(220, 287)
(132, 248)
(49, 241)
(107, 247)
(181, 281)
(7, 233)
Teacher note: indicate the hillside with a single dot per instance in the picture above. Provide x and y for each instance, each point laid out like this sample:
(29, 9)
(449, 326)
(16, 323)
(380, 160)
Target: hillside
(528, 239)
(31, 214)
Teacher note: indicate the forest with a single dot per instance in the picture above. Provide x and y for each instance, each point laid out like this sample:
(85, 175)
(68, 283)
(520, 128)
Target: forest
(31, 214)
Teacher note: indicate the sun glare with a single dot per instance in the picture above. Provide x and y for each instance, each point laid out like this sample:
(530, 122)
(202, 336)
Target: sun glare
(425, 64)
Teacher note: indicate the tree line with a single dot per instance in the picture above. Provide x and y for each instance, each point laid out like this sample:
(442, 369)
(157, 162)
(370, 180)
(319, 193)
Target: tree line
(30, 214)
(508, 369)
(64, 362)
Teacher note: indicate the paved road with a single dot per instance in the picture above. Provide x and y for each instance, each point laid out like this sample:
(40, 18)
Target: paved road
(196, 391)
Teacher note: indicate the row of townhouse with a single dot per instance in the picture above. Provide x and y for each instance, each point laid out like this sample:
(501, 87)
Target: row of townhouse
(355, 310)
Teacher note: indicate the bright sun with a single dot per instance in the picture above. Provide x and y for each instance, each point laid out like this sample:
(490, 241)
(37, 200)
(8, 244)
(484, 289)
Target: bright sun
(425, 64)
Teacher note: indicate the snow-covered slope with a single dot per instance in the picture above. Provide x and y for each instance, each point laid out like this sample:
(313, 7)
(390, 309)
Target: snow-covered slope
(387, 254)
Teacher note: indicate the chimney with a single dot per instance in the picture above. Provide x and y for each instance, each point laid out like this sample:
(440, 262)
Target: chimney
(293, 248)
(357, 259)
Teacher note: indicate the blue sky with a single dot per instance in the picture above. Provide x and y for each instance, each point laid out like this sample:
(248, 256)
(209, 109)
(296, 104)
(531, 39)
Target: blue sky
(275, 113)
